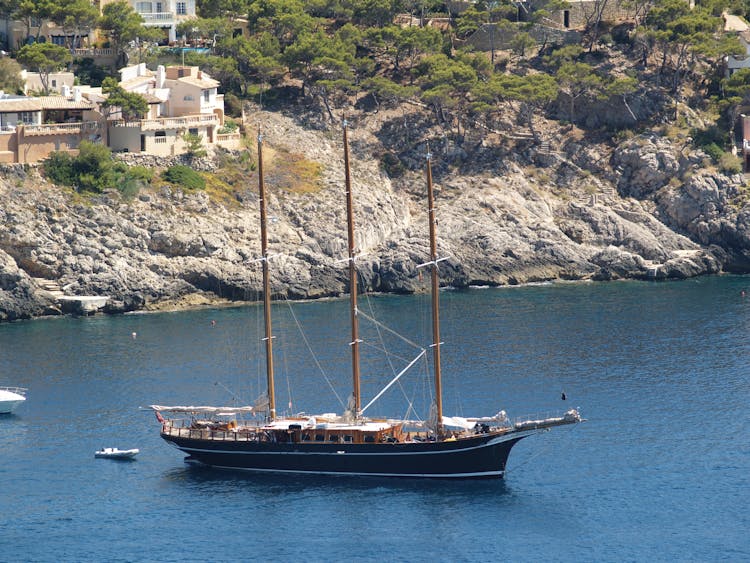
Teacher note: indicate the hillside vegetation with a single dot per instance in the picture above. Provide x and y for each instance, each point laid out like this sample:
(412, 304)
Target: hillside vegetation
(606, 160)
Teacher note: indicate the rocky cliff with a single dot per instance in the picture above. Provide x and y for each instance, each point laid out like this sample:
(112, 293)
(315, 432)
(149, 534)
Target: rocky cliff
(647, 209)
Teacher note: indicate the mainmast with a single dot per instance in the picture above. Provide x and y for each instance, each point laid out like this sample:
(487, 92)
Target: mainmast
(352, 279)
(435, 298)
(266, 283)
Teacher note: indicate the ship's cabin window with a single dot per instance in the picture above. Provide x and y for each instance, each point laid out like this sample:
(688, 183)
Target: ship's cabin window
(334, 438)
(305, 437)
(369, 438)
(348, 438)
(319, 437)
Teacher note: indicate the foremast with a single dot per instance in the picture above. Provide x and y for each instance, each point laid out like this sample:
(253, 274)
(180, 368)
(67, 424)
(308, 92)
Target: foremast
(266, 284)
(435, 290)
(357, 405)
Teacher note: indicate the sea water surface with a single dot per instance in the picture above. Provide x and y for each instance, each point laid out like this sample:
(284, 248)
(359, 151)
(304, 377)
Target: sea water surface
(658, 472)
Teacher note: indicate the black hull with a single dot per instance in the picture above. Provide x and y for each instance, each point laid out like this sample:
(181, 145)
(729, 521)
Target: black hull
(482, 456)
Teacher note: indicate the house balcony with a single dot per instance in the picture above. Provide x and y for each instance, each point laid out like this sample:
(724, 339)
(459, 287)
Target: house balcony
(164, 123)
(80, 128)
(161, 19)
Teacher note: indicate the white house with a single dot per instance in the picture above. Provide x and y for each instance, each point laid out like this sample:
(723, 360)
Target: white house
(164, 14)
(181, 100)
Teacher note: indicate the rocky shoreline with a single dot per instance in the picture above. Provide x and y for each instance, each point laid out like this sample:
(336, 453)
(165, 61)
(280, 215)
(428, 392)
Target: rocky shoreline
(502, 220)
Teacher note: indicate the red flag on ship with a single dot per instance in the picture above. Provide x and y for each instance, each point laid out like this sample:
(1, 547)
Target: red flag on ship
(159, 417)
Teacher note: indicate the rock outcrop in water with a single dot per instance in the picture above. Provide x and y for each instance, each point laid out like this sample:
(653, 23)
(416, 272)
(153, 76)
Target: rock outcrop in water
(649, 211)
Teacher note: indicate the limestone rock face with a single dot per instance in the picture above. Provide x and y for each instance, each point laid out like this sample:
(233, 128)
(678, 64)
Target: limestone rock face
(497, 224)
(646, 164)
(713, 210)
(19, 297)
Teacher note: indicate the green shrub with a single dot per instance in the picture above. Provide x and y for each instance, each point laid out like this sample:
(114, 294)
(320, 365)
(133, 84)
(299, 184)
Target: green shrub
(710, 135)
(135, 178)
(184, 176)
(58, 167)
(392, 165)
(230, 126)
(129, 187)
(95, 169)
(141, 173)
(194, 142)
(730, 163)
(714, 151)
(232, 104)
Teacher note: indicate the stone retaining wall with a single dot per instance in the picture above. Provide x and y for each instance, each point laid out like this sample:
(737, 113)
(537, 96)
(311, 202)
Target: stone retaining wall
(205, 164)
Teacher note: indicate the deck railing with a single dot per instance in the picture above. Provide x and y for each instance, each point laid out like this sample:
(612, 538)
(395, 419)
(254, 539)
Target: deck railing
(161, 123)
(94, 52)
(60, 128)
(228, 137)
(208, 433)
(158, 17)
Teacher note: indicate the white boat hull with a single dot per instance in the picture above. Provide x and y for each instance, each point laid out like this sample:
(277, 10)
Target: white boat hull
(10, 398)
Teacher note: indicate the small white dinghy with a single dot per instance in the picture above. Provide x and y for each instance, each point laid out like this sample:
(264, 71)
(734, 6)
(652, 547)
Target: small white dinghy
(115, 453)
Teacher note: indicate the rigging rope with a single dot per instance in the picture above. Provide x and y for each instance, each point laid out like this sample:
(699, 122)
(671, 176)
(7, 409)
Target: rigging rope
(378, 326)
(315, 358)
(390, 330)
(403, 371)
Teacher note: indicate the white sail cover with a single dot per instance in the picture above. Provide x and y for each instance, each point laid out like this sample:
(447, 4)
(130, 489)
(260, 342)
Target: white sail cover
(457, 422)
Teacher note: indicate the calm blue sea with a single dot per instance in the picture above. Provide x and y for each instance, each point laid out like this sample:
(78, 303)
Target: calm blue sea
(659, 472)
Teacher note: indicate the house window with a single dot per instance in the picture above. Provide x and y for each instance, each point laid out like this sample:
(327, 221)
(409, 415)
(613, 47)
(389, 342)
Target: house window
(143, 7)
(181, 8)
(158, 8)
(54, 83)
(27, 117)
(206, 95)
(58, 40)
(566, 18)
(193, 131)
(188, 98)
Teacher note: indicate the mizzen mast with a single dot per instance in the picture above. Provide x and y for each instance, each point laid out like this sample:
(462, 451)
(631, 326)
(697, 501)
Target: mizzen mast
(266, 283)
(352, 278)
(435, 297)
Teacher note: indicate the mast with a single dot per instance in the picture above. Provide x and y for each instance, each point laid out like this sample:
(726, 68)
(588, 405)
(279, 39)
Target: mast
(266, 283)
(352, 278)
(435, 298)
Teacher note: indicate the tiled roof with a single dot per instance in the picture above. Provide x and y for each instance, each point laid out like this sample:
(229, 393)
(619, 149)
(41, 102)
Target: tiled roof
(137, 81)
(200, 82)
(60, 102)
(22, 104)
